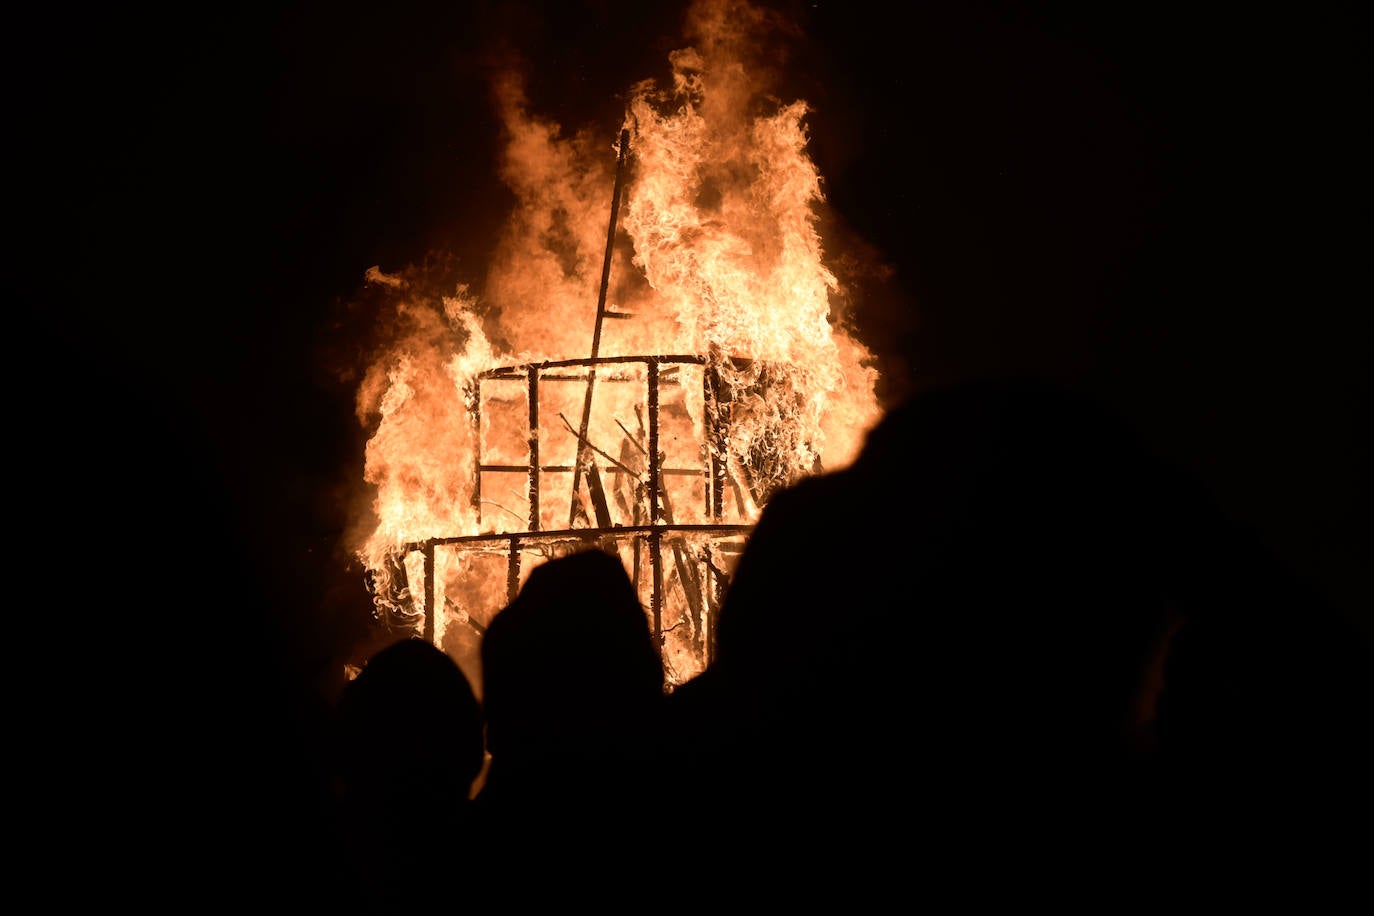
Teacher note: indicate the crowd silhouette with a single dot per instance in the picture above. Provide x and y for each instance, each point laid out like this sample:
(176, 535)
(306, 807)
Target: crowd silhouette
(1006, 636)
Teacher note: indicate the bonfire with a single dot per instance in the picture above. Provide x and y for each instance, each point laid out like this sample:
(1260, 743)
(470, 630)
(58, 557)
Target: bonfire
(653, 354)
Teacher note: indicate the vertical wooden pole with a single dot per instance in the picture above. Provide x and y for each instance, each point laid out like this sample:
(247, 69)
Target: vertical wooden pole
(582, 450)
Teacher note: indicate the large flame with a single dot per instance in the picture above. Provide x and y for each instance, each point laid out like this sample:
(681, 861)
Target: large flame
(716, 253)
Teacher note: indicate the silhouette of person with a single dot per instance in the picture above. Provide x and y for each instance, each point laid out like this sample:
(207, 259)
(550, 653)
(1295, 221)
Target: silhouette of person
(410, 748)
(572, 691)
(972, 629)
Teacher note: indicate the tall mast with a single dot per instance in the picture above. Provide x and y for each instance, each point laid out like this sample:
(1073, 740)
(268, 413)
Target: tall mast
(583, 446)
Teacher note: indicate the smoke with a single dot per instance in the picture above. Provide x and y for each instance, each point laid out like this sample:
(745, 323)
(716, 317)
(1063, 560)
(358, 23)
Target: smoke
(717, 249)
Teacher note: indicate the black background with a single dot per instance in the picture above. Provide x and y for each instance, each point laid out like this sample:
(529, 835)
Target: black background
(1164, 204)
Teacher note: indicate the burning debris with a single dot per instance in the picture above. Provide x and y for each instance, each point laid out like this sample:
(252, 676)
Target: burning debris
(727, 378)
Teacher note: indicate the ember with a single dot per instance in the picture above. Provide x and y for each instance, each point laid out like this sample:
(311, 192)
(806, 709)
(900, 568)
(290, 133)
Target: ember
(715, 373)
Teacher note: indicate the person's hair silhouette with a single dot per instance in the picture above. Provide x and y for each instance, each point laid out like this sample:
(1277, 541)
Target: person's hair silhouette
(572, 690)
(410, 748)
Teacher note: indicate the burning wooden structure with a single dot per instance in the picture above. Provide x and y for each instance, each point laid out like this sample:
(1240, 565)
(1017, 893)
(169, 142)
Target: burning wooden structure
(558, 468)
(667, 505)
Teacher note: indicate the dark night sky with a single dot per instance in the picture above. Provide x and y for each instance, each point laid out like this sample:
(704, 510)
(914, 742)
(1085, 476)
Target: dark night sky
(1158, 204)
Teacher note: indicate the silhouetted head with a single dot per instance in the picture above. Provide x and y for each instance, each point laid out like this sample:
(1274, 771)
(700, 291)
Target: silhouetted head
(410, 725)
(994, 567)
(570, 666)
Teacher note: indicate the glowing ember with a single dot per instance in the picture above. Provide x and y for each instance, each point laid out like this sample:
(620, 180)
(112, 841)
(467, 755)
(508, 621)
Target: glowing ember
(718, 374)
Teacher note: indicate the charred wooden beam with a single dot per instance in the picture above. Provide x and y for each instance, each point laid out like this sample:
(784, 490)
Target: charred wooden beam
(499, 542)
(715, 443)
(655, 458)
(691, 585)
(600, 316)
(620, 466)
(472, 393)
(631, 438)
(598, 494)
(586, 444)
(517, 372)
(513, 569)
(430, 614)
(628, 503)
(534, 447)
(472, 622)
(656, 592)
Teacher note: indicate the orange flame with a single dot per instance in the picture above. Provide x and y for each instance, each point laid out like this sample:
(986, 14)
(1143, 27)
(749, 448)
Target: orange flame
(717, 253)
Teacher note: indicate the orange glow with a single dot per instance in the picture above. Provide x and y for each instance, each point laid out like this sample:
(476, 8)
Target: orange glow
(717, 284)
